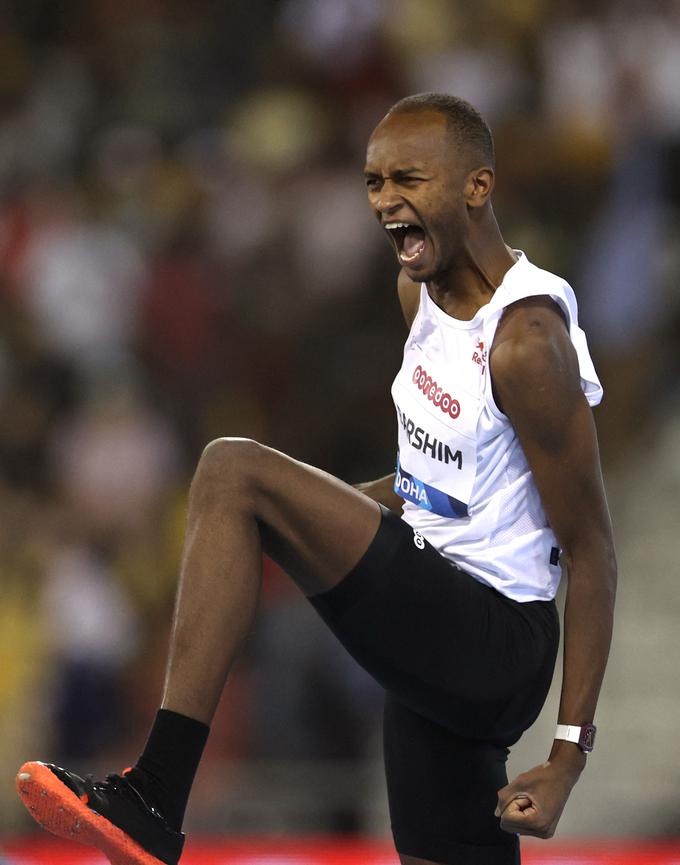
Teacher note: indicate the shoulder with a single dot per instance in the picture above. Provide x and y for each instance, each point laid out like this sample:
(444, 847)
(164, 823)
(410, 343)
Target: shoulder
(526, 285)
(409, 296)
(530, 327)
(532, 359)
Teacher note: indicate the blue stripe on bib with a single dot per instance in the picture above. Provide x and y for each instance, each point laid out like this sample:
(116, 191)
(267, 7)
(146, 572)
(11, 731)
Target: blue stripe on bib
(427, 497)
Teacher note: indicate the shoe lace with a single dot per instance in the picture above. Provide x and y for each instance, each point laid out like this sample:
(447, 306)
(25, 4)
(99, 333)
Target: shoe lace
(118, 784)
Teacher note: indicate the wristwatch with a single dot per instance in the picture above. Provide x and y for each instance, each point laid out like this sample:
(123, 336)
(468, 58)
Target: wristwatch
(583, 736)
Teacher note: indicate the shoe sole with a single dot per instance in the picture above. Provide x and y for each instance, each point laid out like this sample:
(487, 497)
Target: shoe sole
(57, 808)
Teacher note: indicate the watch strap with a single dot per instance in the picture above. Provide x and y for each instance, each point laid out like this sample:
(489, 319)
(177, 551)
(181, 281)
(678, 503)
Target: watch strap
(583, 736)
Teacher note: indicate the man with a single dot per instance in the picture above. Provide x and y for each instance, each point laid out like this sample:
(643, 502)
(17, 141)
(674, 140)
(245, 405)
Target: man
(451, 606)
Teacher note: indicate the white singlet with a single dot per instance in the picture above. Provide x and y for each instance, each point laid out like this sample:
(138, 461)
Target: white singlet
(461, 470)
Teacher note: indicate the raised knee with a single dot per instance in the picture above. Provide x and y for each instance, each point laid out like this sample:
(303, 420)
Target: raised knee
(227, 465)
(228, 451)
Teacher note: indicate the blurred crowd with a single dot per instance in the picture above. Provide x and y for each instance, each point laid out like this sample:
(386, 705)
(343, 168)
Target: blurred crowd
(186, 252)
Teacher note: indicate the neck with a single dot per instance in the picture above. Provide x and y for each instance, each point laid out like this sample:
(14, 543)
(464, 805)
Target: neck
(478, 270)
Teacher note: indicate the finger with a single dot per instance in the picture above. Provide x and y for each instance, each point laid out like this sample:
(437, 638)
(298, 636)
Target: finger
(504, 801)
(519, 813)
(528, 822)
(520, 806)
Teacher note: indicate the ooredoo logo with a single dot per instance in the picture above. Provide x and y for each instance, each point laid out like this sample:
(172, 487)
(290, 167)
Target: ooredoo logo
(436, 394)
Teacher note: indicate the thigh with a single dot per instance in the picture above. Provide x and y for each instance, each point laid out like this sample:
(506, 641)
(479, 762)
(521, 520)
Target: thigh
(315, 526)
(442, 792)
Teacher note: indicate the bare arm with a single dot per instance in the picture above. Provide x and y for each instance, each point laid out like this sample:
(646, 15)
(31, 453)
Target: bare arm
(536, 379)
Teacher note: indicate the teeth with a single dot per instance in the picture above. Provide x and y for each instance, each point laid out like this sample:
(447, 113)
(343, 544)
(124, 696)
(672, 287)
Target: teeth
(408, 258)
(390, 225)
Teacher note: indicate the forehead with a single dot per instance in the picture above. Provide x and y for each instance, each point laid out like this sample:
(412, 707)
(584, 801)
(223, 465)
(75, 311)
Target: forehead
(416, 139)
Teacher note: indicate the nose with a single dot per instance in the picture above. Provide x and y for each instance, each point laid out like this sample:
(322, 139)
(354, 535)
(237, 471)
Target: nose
(387, 201)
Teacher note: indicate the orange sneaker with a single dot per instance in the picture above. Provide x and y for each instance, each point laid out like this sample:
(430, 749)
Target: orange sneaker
(109, 815)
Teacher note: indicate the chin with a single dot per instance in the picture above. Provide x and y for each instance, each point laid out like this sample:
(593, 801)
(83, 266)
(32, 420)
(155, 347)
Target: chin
(421, 274)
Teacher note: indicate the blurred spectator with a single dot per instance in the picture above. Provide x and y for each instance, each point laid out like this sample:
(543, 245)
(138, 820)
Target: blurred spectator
(91, 630)
(82, 286)
(37, 389)
(115, 459)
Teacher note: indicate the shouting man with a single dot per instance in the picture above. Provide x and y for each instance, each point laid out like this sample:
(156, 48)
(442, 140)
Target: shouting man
(440, 579)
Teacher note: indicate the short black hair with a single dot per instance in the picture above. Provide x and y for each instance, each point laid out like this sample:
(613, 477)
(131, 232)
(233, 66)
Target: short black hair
(467, 124)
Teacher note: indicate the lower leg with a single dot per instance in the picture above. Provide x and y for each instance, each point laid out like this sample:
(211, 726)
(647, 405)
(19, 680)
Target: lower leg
(314, 525)
(216, 601)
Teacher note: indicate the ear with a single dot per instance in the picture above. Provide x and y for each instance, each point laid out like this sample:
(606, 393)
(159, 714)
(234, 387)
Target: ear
(479, 186)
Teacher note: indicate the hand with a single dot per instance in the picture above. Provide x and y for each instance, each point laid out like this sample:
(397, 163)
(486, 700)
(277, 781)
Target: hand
(533, 803)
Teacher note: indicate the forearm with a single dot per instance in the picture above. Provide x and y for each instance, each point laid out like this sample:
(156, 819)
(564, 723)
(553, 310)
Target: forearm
(533, 802)
(588, 622)
(382, 491)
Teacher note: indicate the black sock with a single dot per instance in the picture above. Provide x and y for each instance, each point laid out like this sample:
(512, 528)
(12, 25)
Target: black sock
(166, 769)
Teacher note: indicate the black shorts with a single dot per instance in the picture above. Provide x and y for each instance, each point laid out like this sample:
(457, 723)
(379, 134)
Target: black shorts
(466, 671)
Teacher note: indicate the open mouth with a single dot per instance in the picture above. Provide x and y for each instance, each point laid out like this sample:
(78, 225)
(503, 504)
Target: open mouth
(408, 239)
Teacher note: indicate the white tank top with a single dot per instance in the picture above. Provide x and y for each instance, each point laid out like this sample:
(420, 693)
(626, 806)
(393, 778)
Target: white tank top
(462, 472)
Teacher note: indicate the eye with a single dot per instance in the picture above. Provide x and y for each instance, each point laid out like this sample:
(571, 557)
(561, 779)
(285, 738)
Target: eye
(372, 182)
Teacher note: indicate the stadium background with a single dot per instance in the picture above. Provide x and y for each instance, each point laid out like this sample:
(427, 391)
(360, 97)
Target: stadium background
(186, 252)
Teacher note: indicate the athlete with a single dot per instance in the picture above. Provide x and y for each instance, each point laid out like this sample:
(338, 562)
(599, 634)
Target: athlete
(439, 579)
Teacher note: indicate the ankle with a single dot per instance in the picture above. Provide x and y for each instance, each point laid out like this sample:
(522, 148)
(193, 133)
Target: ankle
(165, 771)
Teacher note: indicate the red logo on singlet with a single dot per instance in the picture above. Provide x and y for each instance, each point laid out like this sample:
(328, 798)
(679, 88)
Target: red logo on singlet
(479, 355)
(436, 394)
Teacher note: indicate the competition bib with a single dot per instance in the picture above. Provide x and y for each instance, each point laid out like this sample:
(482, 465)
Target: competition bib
(438, 402)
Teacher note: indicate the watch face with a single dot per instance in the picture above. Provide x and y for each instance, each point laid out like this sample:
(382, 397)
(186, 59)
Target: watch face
(587, 738)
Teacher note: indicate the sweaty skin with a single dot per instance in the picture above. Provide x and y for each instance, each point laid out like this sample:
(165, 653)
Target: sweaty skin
(415, 175)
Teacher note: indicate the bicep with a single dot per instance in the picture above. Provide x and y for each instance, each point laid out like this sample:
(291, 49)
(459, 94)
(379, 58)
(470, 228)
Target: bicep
(538, 381)
(566, 468)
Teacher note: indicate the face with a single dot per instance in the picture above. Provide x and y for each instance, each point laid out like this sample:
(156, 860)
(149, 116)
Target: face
(415, 184)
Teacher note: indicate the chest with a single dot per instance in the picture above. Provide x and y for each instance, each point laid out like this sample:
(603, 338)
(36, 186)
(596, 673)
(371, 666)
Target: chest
(443, 373)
